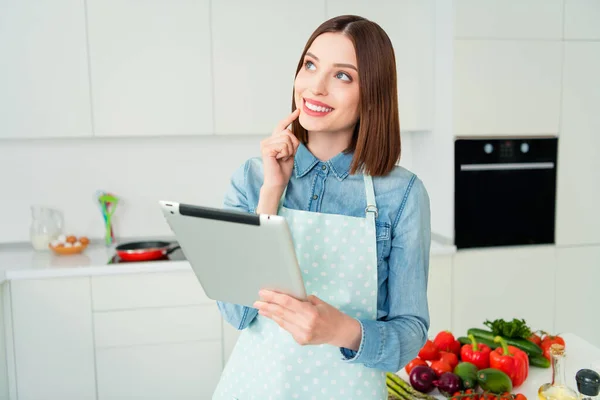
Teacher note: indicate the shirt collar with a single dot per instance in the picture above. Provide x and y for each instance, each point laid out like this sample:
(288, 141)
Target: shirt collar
(305, 161)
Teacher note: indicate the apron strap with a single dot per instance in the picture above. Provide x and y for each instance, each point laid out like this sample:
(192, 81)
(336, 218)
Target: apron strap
(370, 192)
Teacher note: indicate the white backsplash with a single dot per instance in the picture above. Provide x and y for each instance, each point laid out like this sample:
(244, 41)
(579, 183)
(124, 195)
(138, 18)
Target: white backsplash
(65, 174)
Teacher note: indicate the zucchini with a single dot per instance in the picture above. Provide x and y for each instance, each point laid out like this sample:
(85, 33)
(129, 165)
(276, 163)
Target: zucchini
(528, 347)
(539, 361)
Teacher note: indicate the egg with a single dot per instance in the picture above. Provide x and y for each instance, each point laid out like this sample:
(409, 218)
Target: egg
(84, 240)
(62, 238)
(55, 243)
(71, 239)
(68, 244)
(77, 244)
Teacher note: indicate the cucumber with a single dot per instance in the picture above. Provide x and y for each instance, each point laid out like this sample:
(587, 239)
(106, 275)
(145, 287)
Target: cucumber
(539, 361)
(467, 372)
(463, 340)
(528, 347)
(491, 344)
(493, 380)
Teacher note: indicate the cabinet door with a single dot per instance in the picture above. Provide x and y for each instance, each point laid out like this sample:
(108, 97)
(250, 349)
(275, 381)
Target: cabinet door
(439, 294)
(578, 182)
(507, 87)
(577, 279)
(150, 67)
(182, 371)
(581, 19)
(503, 283)
(501, 19)
(410, 26)
(256, 48)
(44, 77)
(53, 339)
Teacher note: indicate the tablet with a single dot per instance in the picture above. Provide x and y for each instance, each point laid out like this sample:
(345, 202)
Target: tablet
(236, 254)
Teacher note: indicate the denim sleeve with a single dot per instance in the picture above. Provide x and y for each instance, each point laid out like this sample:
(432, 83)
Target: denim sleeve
(391, 343)
(235, 199)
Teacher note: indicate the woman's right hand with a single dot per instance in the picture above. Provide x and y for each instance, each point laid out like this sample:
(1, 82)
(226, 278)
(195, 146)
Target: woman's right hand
(278, 153)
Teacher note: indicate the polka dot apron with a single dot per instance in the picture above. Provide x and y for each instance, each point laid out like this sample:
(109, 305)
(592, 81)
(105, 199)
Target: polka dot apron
(338, 260)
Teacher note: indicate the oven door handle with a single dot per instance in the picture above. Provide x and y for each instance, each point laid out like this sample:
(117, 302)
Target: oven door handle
(506, 166)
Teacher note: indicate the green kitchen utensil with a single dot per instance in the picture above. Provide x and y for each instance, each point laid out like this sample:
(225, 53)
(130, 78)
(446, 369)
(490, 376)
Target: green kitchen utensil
(107, 198)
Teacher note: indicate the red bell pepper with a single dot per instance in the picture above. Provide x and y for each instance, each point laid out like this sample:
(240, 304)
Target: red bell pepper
(476, 353)
(510, 360)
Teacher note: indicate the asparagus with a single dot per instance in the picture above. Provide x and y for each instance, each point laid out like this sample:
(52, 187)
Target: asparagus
(397, 390)
(412, 392)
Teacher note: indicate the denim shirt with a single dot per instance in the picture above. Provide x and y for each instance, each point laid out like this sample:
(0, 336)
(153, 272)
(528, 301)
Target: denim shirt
(403, 232)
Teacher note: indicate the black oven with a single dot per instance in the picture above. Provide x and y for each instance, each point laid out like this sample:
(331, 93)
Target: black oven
(505, 191)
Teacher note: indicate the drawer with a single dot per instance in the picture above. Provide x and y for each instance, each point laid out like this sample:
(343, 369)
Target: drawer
(179, 371)
(156, 326)
(141, 290)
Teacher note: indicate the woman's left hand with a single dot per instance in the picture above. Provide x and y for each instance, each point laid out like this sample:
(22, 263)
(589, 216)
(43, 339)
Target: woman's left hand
(312, 321)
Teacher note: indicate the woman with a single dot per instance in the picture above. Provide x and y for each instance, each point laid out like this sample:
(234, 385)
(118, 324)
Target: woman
(361, 227)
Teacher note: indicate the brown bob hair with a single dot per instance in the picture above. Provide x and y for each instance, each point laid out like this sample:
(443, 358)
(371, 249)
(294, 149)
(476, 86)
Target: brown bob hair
(376, 139)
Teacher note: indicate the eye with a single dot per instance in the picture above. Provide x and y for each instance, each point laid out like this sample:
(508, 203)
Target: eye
(309, 65)
(343, 76)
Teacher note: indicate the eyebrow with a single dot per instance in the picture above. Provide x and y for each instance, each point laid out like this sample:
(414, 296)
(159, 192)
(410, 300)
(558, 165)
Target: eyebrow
(308, 53)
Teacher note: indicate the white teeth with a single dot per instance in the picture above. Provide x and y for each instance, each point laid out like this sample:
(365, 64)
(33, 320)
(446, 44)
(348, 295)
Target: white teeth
(313, 107)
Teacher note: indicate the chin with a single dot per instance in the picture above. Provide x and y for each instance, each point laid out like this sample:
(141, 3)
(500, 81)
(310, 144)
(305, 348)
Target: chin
(313, 124)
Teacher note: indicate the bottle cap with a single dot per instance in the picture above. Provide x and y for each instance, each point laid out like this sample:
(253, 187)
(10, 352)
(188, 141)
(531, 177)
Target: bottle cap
(588, 382)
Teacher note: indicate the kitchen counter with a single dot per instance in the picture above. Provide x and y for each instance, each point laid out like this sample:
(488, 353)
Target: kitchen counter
(579, 354)
(21, 261)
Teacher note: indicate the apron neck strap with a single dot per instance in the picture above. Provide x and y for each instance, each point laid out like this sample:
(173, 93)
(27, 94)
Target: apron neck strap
(370, 192)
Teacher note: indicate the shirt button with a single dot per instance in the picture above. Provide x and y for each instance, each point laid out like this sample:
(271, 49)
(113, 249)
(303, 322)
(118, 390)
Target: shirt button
(324, 167)
(315, 197)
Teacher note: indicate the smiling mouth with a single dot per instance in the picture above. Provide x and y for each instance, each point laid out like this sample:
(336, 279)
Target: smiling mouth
(317, 108)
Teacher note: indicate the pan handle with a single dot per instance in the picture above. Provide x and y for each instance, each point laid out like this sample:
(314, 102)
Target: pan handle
(172, 249)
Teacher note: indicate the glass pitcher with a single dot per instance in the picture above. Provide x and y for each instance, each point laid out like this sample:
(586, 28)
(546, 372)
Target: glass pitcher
(46, 226)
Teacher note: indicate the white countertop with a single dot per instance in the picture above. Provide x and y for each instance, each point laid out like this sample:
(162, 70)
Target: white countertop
(21, 261)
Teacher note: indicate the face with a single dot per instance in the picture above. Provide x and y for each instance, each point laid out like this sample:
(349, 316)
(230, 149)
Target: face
(326, 87)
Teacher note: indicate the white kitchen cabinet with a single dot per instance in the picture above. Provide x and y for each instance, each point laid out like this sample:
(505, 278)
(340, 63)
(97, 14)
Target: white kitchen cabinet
(44, 70)
(157, 325)
(53, 339)
(410, 26)
(577, 280)
(177, 371)
(509, 282)
(256, 49)
(501, 19)
(507, 87)
(578, 180)
(439, 294)
(581, 19)
(151, 70)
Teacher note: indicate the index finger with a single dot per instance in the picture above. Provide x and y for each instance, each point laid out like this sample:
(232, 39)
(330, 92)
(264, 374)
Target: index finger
(282, 299)
(284, 123)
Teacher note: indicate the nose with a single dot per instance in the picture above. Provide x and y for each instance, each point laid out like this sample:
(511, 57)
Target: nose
(319, 85)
